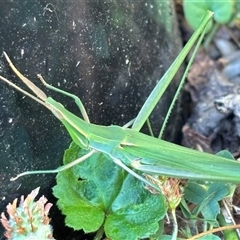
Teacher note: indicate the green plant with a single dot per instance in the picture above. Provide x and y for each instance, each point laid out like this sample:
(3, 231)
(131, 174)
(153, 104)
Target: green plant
(194, 11)
(107, 199)
(96, 195)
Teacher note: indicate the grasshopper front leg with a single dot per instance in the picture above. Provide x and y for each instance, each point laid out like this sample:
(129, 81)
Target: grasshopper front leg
(57, 170)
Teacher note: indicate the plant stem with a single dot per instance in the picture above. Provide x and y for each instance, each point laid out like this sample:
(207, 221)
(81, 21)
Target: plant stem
(99, 233)
(175, 225)
(210, 35)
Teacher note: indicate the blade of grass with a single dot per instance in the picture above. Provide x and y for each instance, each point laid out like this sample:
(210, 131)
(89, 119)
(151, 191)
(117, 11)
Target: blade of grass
(182, 82)
(160, 88)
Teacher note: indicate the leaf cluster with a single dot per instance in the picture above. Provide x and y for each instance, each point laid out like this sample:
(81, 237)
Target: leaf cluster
(224, 11)
(97, 194)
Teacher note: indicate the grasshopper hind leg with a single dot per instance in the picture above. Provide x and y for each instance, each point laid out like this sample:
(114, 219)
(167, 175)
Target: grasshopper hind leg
(119, 163)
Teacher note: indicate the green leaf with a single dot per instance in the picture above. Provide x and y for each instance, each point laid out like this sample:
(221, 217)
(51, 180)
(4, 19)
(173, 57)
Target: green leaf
(194, 192)
(98, 193)
(223, 10)
(206, 197)
(167, 237)
(225, 154)
(210, 237)
(185, 210)
(195, 11)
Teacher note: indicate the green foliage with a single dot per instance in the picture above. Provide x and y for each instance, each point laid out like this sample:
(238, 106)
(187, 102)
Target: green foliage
(210, 237)
(195, 10)
(206, 197)
(167, 237)
(97, 193)
(225, 154)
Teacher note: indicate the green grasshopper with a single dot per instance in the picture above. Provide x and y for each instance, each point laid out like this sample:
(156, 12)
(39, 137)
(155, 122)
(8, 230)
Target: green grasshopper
(129, 147)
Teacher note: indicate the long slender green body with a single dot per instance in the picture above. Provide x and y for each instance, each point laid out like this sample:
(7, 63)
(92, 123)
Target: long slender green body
(146, 153)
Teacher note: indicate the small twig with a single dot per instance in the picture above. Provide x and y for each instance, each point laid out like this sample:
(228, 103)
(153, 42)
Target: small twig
(213, 231)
